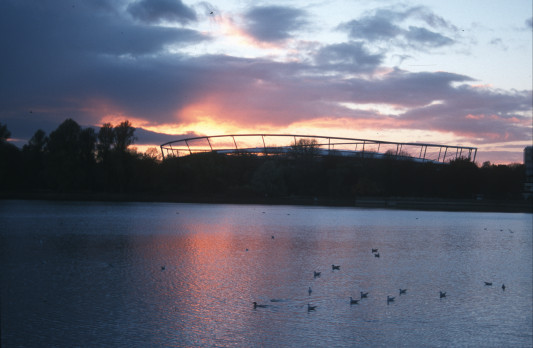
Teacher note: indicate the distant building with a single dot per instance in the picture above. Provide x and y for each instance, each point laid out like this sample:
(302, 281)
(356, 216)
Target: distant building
(528, 163)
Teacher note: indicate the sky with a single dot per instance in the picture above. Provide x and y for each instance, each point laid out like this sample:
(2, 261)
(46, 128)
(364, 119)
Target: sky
(441, 72)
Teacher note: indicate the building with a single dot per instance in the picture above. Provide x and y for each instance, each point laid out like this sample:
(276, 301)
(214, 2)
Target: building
(528, 164)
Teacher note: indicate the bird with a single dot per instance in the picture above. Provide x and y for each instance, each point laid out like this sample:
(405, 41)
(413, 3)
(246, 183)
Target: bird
(390, 298)
(442, 294)
(376, 255)
(403, 291)
(352, 301)
(310, 308)
(316, 274)
(272, 237)
(488, 283)
(259, 305)
(364, 294)
(333, 267)
(163, 268)
(374, 250)
(503, 287)
(309, 291)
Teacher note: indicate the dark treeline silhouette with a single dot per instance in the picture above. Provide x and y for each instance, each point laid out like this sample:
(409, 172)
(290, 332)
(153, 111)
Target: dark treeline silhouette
(76, 160)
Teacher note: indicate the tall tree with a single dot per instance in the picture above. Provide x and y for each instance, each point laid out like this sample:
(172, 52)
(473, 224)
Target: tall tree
(4, 132)
(124, 136)
(106, 139)
(70, 155)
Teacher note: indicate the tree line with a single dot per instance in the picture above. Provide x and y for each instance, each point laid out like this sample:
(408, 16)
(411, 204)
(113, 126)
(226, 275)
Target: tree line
(72, 159)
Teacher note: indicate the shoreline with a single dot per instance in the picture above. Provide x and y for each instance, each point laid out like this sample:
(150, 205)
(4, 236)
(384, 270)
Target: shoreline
(397, 203)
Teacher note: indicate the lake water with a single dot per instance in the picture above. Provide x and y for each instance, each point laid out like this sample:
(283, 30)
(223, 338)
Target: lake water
(186, 275)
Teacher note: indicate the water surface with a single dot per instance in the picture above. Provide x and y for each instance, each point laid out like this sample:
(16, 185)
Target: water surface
(185, 275)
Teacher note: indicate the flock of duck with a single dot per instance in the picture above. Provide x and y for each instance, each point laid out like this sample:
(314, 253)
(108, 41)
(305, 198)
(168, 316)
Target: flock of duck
(363, 295)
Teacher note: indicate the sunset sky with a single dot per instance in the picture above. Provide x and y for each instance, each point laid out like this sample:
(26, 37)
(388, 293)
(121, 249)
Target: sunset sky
(451, 72)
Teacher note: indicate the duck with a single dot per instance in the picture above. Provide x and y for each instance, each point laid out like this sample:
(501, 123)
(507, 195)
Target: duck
(309, 291)
(442, 294)
(364, 294)
(163, 268)
(376, 255)
(333, 267)
(259, 305)
(390, 298)
(374, 250)
(352, 301)
(316, 274)
(403, 291)
(503, 287)
(310, 308)
(488, 283)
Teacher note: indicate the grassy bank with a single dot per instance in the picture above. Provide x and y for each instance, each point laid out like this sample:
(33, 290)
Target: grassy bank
(401, 203)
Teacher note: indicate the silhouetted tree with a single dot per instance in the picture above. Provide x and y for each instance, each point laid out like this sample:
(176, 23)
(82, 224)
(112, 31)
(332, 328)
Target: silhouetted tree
(34, 160)
(4, 132)
(305, 148)
(70, 156)
(106, 139)
(124, 136)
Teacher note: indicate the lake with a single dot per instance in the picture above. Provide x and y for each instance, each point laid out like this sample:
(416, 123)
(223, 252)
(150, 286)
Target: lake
(186, 275)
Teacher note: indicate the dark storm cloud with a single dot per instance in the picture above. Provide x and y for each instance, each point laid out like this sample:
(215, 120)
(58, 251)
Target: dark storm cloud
(62, 56)
(154, 11)
(274, 23)
(388, 26)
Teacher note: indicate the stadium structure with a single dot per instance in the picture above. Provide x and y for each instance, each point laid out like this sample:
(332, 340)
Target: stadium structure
(289, 144)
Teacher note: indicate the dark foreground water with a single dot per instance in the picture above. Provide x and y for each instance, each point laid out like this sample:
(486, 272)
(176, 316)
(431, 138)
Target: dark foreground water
(186, 275)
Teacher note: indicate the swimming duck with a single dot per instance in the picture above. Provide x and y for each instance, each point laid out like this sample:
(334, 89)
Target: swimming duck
(259, 305)
(364, 294)
(352, 301)
(333, 267)
(403, 291)
(442, 294)
(310, 308)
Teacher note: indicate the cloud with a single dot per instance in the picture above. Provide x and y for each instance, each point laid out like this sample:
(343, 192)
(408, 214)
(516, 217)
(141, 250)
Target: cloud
(274, 23)
(155, 11)
(102, 60)
(424, 37)
(389, 26)
(349, 56)
(88, 58)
